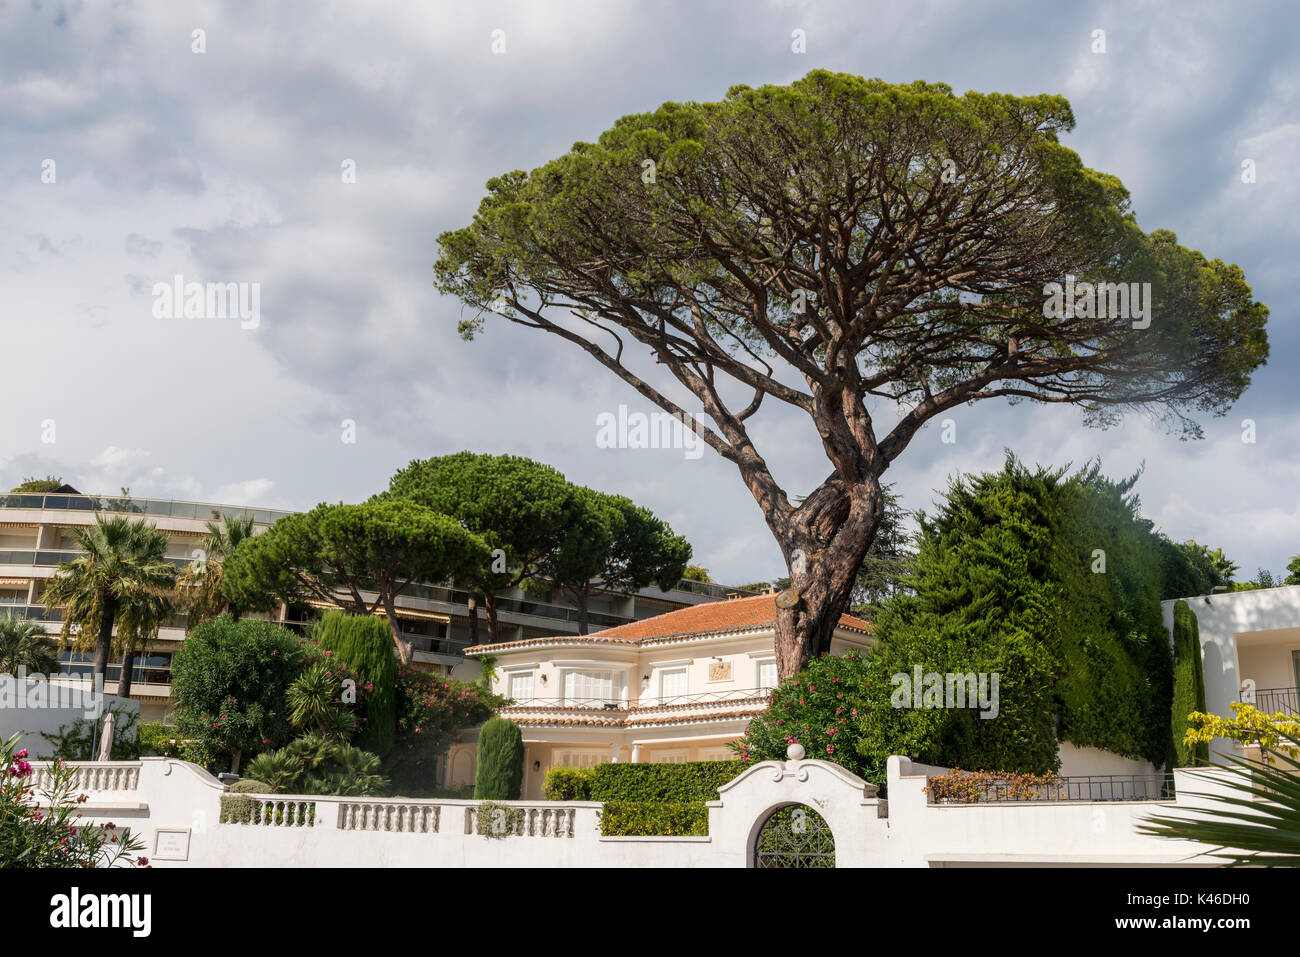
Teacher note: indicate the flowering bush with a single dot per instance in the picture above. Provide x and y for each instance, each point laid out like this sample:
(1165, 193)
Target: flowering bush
(817, 708)
(432, 713)
(38, 827)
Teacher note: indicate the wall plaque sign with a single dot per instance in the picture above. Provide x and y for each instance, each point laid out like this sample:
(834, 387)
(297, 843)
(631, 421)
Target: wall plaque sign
(172, 844)
(720, 671)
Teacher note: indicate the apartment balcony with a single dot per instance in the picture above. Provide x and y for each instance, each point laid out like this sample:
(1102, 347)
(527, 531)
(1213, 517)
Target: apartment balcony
(1273, 700)
(161, 508)
(711, 706)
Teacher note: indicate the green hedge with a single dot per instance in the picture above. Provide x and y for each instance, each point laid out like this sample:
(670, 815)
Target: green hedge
(657, 799)
(669, 783)
(1189, 684)
(662, 819)
(364, 645)
(250, 786)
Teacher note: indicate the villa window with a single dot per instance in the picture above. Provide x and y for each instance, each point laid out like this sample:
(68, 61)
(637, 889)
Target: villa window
(767, 675)
(590, 687)
(579, 759)
(521, 686)
(672, 685)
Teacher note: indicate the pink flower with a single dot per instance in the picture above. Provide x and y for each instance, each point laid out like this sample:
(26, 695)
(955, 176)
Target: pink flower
(21, 754)
(830, 749)
(142, 862)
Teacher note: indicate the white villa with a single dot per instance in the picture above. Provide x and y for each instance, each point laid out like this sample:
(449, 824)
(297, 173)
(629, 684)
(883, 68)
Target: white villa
(674, 688)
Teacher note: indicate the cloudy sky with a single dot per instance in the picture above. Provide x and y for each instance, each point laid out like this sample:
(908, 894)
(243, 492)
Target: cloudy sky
(226, 165)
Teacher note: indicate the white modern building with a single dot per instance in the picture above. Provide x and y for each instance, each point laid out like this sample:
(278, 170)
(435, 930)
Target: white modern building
(1250, 651)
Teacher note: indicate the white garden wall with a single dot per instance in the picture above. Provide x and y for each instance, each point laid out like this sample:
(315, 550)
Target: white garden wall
(175, 806)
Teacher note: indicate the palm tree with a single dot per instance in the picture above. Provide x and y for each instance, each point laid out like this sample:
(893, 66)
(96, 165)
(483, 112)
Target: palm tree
(140, 618)
(122, 560)
(23, 644)
(202, 580)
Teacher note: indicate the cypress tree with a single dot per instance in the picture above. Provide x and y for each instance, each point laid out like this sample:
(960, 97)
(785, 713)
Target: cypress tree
(364, 644)
(500, 775)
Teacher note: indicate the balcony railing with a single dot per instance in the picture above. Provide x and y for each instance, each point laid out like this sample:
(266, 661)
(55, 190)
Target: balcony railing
(168, 508)
(617, 704)
(1273, 700)
(1092, 787)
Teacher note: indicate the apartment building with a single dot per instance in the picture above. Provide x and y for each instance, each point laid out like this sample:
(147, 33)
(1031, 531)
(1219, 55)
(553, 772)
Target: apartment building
(37, 532)
(675, 688)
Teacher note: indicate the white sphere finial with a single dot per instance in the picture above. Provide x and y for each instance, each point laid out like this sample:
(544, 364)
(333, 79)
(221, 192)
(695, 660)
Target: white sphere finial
(795, 752)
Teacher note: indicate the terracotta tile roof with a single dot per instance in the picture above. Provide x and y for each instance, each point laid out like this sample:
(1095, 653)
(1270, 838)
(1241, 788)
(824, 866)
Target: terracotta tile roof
(713, 617)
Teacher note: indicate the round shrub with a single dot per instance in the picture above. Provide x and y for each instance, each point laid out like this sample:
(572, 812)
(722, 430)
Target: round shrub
(249, 786)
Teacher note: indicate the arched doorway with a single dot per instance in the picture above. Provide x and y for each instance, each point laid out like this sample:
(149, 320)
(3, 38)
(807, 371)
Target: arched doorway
(794, 836)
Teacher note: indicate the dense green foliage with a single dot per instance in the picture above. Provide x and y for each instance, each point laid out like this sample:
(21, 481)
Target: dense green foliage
(333, 552)
(500, 774)
(363, 644)
(1054, 584)
(1189, 685)
(819, 709)
(229, 684)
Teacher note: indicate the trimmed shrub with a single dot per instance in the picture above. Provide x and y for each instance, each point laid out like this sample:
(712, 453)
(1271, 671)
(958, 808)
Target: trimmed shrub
(695, 781)
(237, 809)
(568, 784)
(1189, 685)
(498, 820)
(666, 819)
(500, 774)
(364, 645)
(249, 786)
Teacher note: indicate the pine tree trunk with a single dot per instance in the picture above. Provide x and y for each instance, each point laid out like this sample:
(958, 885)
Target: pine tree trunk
(824, 589)
(582, 595)
(400, 640)
(472, 604)
(490, 601)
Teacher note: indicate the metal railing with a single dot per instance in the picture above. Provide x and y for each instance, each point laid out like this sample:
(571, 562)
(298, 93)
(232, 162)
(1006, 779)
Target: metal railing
(1273, 700)
(618, 704)
(166, 508)
(1090, 787)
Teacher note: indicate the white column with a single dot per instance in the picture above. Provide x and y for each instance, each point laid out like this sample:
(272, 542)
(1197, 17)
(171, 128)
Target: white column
(636, 753)
(613, 754)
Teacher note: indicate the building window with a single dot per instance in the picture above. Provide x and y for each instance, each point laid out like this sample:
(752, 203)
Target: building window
(589, 687)
(521, 686)
(579, 759)
(767, 675)
(669, 757)
(672, 685)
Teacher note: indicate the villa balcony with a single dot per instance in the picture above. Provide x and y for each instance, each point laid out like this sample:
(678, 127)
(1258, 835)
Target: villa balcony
(645, 711)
